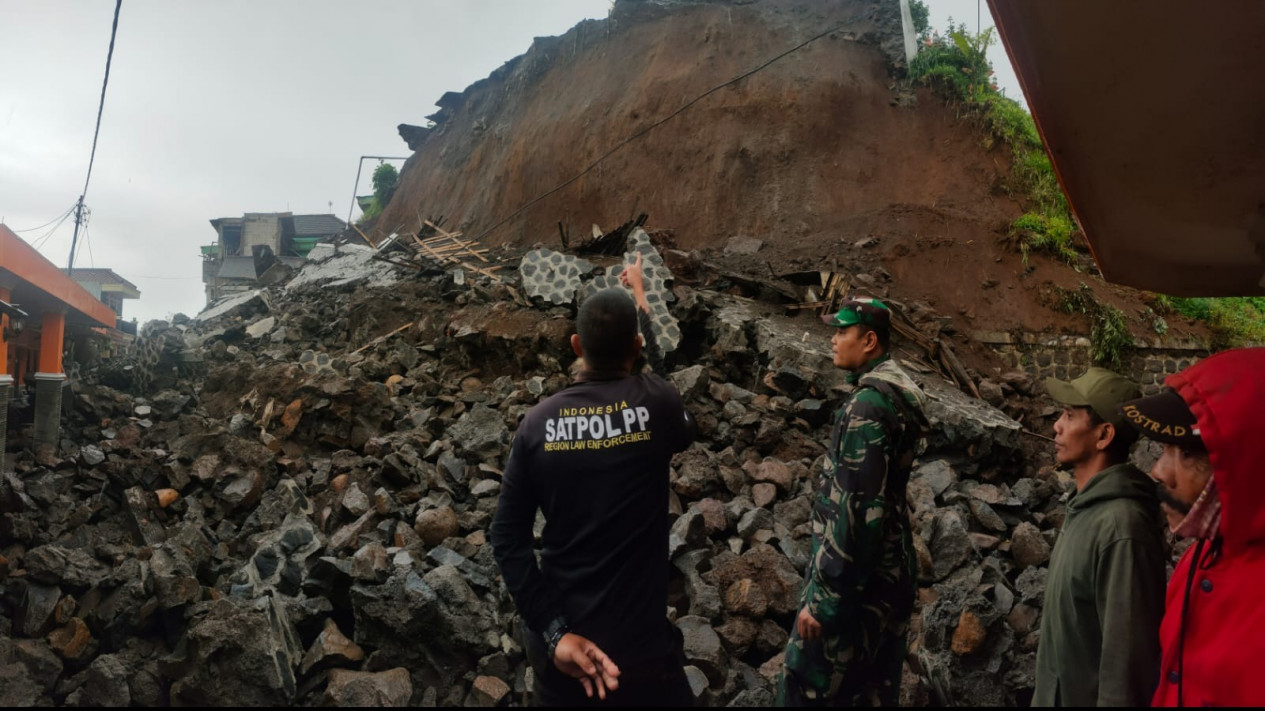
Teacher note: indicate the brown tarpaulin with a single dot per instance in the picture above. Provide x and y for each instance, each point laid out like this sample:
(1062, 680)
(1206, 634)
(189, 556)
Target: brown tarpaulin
(1153, 112)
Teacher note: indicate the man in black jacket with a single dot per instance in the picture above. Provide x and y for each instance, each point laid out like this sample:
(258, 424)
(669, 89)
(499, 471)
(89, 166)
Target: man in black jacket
(594, 459)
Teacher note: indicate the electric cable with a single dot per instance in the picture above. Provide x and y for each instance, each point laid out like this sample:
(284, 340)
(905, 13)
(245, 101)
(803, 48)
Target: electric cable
(46, 224)
(118, 4)
(39, 241)
(114, 30)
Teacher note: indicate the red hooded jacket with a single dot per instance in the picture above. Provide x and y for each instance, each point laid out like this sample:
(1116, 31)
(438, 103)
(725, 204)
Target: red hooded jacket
(1219, 658)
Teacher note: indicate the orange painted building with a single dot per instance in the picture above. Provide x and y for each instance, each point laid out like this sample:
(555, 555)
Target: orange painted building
(53, 302)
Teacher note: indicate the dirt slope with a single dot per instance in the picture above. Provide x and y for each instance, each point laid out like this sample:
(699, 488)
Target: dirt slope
(813, 153)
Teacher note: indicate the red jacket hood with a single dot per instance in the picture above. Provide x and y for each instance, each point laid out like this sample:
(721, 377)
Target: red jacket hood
(1226, 393)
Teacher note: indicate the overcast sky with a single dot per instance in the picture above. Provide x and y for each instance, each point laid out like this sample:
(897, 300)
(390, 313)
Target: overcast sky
(219, 108)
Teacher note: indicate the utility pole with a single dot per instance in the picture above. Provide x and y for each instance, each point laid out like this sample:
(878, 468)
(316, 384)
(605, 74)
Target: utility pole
(360, 165)
(79, 219)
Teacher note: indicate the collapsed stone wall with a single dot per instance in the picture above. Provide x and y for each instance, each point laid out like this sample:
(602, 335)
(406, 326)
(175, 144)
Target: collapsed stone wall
(302, 518)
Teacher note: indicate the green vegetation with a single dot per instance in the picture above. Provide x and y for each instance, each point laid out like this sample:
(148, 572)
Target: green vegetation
(385, 180)
(957, 65)
(921, 15)
(1235, 320)
(1109, 331)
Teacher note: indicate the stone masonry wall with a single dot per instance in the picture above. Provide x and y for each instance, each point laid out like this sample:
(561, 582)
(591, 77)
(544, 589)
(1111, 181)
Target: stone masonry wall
(1067, 357)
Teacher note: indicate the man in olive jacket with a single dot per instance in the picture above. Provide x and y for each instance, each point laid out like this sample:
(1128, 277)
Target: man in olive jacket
(1104, 595)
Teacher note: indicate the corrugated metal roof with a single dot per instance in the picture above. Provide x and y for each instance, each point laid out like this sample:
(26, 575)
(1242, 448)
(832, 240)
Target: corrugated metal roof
(237, 268)
(309, 225)
(97, 276)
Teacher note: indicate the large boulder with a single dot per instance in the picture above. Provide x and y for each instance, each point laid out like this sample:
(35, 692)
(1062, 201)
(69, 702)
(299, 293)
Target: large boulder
(965, 426)
(244, 652)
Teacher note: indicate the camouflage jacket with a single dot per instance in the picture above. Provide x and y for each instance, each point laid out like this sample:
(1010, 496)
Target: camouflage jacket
(862, 546)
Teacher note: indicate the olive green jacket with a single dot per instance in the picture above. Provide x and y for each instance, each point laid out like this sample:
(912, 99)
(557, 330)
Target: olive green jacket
(1104, 596)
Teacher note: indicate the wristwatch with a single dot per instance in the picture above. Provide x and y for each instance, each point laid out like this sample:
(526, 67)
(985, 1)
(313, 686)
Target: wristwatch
(553, 634)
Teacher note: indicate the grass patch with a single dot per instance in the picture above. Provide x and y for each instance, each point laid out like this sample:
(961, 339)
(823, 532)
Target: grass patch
(1109, 330)
(1235, 320)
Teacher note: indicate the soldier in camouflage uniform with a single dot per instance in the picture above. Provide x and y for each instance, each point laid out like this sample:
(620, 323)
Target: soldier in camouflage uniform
(848, 644)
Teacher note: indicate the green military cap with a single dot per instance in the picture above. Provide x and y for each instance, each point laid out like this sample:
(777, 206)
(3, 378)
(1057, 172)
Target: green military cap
(866, 310)
(1098, 388)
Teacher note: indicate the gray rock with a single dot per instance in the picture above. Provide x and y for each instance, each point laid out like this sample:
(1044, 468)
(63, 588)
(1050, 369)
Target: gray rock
(485, 487)
(17, 688)
(986, 516)
(482, 431)
(35, 609)
(73, 567)
(962, 424)
(688, 531)
(947, 540)
(243, 650)
(40, 659)
(753, 521)
(240, 425)
(105, 682)
(370, 563)
(691, 382)
(703, 648)
(697, 680)
(262, 327)
(468, 624)
(391, 688)
(91, 455)
(1028, 547)
(471, 572)
(355, 501)
(937, 474)
(1030, 584)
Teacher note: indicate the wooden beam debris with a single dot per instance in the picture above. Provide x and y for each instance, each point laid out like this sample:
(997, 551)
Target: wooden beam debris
(381, 338)
(441, 250)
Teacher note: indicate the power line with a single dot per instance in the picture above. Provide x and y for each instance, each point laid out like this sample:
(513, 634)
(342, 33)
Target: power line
(46, 224)
(660, 122)
(87, 241)
(39, 241)
(114, 30)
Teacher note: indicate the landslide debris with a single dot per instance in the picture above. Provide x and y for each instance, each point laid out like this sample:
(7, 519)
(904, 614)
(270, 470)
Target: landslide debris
(252, 507)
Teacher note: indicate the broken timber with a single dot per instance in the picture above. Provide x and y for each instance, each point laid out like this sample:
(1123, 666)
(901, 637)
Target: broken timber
(442, 251)
(378, 340)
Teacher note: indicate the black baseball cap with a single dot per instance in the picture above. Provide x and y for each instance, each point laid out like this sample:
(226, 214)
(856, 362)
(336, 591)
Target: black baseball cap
(1164, 417)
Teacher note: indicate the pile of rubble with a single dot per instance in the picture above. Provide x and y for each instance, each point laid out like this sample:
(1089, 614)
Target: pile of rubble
(284, 501)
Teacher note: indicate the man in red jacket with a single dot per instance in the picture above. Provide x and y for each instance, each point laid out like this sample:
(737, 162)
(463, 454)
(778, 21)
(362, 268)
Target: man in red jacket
(1212, 488)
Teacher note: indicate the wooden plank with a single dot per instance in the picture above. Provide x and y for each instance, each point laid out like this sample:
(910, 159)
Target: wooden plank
(439, 258)
(363, 236)
(947, 354)
(381, 338)
(455, 243)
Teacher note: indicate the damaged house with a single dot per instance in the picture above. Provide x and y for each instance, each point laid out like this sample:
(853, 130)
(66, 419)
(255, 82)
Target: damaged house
(110, 289)
(247, 247)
